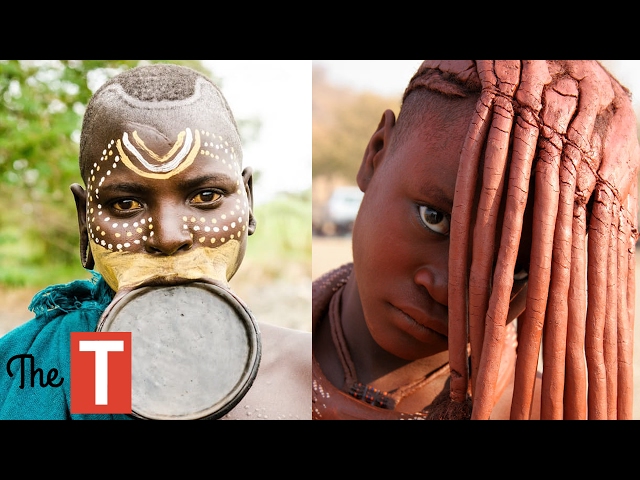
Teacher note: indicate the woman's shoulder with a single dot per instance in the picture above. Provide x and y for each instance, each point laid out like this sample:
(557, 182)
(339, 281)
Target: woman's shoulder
(281, 389)
(280, 343)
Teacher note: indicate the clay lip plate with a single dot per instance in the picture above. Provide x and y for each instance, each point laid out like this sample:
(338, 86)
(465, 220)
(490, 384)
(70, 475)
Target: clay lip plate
(195, 349)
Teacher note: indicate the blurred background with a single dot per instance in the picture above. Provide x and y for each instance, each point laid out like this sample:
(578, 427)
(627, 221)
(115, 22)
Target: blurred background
(41, 108)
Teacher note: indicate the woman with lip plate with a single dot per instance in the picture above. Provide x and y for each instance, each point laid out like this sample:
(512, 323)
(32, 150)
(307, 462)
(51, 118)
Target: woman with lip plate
(166, 200)
(505, 189)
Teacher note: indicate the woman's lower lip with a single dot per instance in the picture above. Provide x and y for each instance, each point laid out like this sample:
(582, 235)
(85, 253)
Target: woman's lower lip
(418, 328)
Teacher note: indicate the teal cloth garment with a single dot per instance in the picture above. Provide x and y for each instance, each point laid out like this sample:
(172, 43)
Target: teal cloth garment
(59, 310)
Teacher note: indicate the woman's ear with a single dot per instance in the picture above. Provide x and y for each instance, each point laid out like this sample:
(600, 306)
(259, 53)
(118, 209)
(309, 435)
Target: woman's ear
(376, 149)
(80, 196)
(247, 176)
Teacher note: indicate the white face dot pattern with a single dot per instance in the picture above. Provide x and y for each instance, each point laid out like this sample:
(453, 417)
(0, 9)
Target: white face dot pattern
(208, 228)
(219, 228)
(218, 149)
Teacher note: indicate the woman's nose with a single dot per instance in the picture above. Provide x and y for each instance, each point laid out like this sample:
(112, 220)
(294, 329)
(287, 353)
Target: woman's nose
(435, 279)
(168, 235)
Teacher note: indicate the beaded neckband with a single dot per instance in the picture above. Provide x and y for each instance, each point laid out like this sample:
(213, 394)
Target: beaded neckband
(359, 390)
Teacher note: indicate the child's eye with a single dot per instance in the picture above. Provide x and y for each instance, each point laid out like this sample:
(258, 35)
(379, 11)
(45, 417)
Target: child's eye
(207, 196)
(434, 220)
(126, 205)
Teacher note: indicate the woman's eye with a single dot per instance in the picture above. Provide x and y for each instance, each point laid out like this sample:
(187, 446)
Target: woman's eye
(434, 220)
(206, 197)
(126, 205)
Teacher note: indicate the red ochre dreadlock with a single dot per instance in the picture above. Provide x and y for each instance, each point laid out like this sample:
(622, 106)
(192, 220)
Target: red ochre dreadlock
(568, 130)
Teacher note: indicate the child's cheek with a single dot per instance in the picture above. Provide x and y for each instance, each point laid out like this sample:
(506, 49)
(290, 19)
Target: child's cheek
(217, 228)
(118, 235)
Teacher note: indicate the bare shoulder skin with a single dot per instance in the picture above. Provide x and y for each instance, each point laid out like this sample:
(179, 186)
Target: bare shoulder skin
(281, 388)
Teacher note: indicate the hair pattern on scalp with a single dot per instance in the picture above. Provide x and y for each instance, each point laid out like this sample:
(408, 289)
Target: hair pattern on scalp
(158, 83)
(150, 84)
(567, 126)
(416, 99)
(426, 101)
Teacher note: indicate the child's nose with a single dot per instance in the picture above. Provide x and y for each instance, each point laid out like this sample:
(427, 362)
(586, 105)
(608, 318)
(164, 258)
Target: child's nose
(435, 279)
(168, 236)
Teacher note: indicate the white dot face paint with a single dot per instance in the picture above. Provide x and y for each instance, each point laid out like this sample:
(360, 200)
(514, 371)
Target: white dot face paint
(166, 202)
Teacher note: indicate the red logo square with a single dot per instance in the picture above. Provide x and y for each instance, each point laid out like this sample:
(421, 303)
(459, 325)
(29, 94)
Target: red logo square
(101, 372)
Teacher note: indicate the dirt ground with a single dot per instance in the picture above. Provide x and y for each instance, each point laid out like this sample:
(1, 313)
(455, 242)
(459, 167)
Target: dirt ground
(331, 252)
(285, 302)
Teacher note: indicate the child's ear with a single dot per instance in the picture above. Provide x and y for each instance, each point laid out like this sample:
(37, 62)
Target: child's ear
(247, 175)
(80, 196)
(376, 149)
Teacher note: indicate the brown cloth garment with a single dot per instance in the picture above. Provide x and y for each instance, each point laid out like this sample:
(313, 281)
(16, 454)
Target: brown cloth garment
(331, 403)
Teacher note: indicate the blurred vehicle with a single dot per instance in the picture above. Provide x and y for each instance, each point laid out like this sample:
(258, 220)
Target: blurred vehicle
(341, 210)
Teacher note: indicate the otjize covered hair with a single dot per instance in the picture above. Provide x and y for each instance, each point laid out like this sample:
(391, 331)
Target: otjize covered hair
(566, 131)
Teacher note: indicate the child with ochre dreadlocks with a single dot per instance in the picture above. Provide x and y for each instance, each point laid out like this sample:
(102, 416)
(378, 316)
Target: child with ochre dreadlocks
(166, 207)
(498, 225)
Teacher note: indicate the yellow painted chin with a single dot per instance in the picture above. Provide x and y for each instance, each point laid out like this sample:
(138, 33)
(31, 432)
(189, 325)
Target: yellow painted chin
(128, 269)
